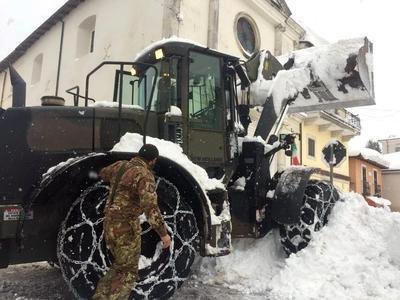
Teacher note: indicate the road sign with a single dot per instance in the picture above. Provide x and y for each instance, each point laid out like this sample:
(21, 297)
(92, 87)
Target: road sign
(334, 153)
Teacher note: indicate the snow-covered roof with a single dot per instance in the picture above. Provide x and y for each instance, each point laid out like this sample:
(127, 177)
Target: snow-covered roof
(370, 155)
(393, 159)
(389, 138)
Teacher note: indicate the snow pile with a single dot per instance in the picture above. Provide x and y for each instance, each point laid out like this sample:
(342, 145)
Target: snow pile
(174, 111)
(369, 154)
(132, 142)
(163, 41)
(257, 139)
(286, 85)
(249, 268)
(380, 200)
(393, 159)
(355, 256)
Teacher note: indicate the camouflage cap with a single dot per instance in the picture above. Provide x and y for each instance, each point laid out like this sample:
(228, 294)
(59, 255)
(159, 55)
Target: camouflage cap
(148, 152)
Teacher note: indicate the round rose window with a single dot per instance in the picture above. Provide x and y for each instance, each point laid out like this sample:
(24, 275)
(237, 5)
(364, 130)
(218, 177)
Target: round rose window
(246, 35)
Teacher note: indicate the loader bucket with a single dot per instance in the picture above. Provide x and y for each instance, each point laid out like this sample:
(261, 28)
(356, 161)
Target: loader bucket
(341, 76)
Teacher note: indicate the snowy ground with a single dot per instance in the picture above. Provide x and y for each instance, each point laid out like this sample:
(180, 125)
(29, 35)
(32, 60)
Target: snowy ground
(40, 281)
(356, 256)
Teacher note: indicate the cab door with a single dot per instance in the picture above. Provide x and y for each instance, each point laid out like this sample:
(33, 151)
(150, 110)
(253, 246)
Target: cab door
(206, 118)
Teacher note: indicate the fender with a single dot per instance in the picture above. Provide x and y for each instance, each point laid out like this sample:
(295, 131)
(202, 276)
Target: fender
(73, 172)
(288, 199)
(75, 175)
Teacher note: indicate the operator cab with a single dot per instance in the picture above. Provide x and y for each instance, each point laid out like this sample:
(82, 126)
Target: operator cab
(190, 92)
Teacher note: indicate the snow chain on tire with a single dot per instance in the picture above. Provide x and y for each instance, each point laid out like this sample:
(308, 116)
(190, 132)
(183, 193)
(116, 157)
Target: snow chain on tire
(318, 200)
(84, 258)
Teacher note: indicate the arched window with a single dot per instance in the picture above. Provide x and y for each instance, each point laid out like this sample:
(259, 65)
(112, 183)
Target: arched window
(86, 32)
(37, 69)
(247, 34)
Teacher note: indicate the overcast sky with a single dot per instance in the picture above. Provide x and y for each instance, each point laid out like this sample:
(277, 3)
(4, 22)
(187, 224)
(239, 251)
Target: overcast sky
(330, 19)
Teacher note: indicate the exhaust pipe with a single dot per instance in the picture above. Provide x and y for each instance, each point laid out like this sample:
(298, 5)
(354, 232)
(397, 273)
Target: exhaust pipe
(18, 88)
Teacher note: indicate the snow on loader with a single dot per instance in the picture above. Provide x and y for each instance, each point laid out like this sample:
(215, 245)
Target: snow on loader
(184, 95)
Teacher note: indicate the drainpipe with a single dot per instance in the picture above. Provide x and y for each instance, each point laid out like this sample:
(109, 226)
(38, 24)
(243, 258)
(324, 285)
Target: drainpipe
(301, 142)
(59, 57)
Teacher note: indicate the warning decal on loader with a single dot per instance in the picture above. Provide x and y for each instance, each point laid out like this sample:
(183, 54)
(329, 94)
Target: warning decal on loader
(14, 213)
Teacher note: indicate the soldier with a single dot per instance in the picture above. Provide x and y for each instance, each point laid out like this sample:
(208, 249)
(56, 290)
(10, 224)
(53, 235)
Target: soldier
(132, 193)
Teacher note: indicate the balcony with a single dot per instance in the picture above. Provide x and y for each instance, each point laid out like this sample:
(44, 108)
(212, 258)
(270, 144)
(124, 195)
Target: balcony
(347, 117)
(339, 122)
(366, 190)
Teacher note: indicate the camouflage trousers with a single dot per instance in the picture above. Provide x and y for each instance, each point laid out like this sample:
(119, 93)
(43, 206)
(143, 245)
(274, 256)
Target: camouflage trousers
(124, 241)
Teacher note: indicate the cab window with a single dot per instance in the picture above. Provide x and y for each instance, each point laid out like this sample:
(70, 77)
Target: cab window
(136, 90)
(205, 92)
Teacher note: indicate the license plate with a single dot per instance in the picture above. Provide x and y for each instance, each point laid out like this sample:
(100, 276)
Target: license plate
(13, 214)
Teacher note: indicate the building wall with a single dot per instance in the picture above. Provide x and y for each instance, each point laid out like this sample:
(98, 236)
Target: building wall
(322, 138)
(124, 27)
(130, 33)
(355, 169)
(194, 25)
(295, 123)
(391, 180)
(268, 20)
(390, 145)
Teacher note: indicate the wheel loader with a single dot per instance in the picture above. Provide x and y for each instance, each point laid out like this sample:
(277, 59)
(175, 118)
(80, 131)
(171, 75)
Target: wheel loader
(194, 98)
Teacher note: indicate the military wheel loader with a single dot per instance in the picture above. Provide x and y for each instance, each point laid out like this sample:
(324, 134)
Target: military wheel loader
(52, 200)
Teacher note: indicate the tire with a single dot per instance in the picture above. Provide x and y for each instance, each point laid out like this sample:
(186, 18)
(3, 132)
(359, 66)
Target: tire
(318, 201)
(84, 258)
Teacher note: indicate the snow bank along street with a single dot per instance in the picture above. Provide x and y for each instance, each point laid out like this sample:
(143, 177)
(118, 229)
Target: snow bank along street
(356, 256)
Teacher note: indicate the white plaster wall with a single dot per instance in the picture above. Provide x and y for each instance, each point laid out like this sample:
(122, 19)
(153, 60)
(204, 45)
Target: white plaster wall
(194, 25)
(389, 146)
(123, 28)
(287, 44)
(391, 188)
(48, 45)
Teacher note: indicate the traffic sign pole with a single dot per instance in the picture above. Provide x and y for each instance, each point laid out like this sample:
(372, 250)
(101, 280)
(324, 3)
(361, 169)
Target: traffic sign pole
(331, 165)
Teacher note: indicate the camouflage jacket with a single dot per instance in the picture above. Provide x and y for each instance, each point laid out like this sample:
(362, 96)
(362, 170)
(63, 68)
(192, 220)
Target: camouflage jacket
(134, 195)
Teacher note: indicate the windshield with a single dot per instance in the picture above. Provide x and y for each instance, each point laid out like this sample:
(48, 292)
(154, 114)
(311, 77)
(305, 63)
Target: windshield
(136, 90)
